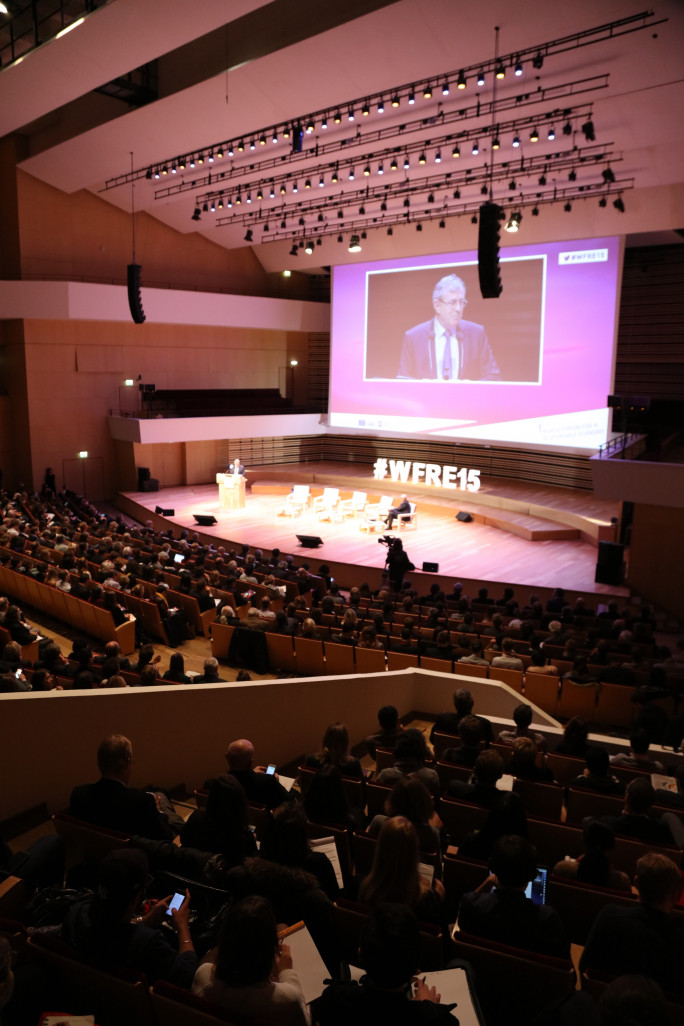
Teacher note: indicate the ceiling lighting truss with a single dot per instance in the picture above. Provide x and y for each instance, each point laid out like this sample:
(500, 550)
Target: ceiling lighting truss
(597, 34)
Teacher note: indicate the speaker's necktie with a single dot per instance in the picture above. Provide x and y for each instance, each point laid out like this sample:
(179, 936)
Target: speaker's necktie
(447, 372)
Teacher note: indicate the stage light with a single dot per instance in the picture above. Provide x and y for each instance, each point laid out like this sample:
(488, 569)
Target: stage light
(350, 114)
(476, 148)
(321, 182)
(366, 170)
(309, 127)
(603, 202)
(407, 202)
(484, 190)
(295, 187)
(337, 118)
(461, 84)
(422, 159)
(294, 251)
(456, 152)
(395, 100)
(438, 157)
(534, 135)
(390, 230)
(354, 244)
(518, 70)
(340, 239)
(411, 96)
(512, 185)
(252, 144)
(419, 227)
(542, 179)
(241, 146)
(309, 248)
(500, 71)
(205, 208)
(457, 193)
(619, 205)
(274, 138)
(249, 236)
(538, 61)
(324, 122)
(513, 223)
(427, 92)
(552, 134)
(406, 163)
(431, 198)
(157, 173)
(351, 174)
(307, 183)
(271, 192)
(572, 176)
(445, 88)
(287, 274)
(588, 131)
(262, 141)
(567, 128)
(365, 110)
(535, 211)
(516, 141)
(607, 175)
(442, 223)
(238, 200)
(381, 169)
(335, 178)
(496, 142)
(200, 159)
(473, 219)
(480, 78)
(381, 106)
(383, 206)
(568, 207)
(248, 197)
(362, 210)
(213, 207)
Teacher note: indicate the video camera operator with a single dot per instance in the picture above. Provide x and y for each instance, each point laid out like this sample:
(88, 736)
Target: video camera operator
(397, 562)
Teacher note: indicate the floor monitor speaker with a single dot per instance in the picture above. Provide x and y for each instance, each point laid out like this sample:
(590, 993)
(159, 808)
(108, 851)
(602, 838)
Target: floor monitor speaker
(465, 518)
(610, 563)
(309, 541)
(431, 568)
(205, 519)
(164, 512)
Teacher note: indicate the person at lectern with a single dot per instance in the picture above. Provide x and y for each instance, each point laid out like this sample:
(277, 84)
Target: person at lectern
(447, 348)
(236, 468)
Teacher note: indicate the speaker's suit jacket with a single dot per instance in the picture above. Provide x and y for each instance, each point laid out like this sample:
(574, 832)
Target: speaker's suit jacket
(419, 355)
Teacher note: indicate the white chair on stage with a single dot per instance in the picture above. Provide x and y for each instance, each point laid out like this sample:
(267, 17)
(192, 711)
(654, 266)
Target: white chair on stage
(326, 504)
(376, 513)
(296, 502)
(357, 504)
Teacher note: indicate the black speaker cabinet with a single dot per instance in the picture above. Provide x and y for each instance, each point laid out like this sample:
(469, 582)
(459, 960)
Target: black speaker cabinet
(205, 519)
(164, 512)
(465, 518)
(151, 485)
(610, 563)
(134, 297)
(309, 541)
(143, 475)
(430, 568)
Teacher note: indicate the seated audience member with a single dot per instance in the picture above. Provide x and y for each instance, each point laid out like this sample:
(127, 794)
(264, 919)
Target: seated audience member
(505, 915)
(146, 657)
(112, 651)
(104, 932)
(405, 643)
(593, 866)
(575, 738)
(326, 801)
(596, 775)
(335, 752)
(506, 816)
(523, 762)
(369, 639)
(176, 672)
(260, 787)
(539, 663)
(580, 675)
(110, 802)
(410, 798)
(481, 788)
(389, 733)
(508, 660)
(467, 751)
(222, 827)
(522, 717)
(286, 842)
(636, 819)
(441, 648)
(448, 722)
(410, 755)
(673, 798)
(174, 620)
(251, 973)
(210, 675)
(389, 991)
(395, 875)
(638, 756)
(476, 657)
(647, 939)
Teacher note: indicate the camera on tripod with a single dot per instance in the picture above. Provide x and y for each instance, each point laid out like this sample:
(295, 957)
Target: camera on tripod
(388, 540)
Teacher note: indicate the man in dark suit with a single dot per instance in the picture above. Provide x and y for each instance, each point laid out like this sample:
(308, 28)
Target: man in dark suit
(236, 467)
(402, 508)
(112, 803)
(644, 940)
(636, 820)
(506, 915)
(210, 675)
(260, 787)
(448, 722)
(447, 348)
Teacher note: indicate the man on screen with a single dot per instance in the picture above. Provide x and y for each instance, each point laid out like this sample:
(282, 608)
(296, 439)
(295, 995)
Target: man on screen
(236, 468)
(448, 348)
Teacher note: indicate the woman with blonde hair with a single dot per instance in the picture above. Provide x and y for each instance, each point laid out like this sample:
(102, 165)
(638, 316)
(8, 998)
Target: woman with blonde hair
(395, 876)
(335, 752)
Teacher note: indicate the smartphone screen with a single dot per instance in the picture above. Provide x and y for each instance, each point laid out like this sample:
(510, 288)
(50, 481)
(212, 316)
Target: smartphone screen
(270, 769)
(176, 902)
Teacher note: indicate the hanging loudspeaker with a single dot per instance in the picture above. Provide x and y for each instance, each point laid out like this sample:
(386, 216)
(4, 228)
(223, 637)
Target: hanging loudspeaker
(134, 298)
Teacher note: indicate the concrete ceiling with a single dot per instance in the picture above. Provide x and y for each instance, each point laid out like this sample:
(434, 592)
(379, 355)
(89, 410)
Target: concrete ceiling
(272, 63)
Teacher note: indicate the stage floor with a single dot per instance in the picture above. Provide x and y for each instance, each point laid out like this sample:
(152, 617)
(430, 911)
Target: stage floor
(469, 551)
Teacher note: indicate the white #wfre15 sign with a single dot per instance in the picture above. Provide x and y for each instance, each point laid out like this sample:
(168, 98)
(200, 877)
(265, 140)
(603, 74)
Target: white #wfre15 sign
(429, 473)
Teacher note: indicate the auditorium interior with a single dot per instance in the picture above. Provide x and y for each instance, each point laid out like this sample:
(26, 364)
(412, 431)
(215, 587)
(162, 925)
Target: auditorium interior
(197, 206)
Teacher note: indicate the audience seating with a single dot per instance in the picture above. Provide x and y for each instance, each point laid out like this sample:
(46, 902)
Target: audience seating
(173, 1006)
(376, 796)
(541, 689)
(370, 660)
(221, 634)
(12, 897)
(513, 678)
(460, 875)
(309, 657)
(540, 799)
(578, 904)
(519, 984)
(350, 917)
(564, 767)
(577, 700)
(339, 659)
(85, 843)
(460, 818)
(449, 771)
(280, 648)
(440, 665)
(470, 670)
(114, 997)
(401, 661)
(614, 707)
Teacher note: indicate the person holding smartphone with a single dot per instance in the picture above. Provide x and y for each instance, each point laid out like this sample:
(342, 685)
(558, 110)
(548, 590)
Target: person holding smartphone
(108, 932)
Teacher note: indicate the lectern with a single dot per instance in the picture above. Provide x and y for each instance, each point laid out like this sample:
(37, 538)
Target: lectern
(231, 491)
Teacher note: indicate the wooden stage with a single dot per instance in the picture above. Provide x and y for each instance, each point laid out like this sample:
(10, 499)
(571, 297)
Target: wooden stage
(535, 536)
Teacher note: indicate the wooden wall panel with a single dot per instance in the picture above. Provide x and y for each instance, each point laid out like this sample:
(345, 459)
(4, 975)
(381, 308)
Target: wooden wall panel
(656, 560)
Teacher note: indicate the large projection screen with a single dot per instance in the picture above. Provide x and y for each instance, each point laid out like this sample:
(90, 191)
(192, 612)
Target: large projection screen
(534, 366)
